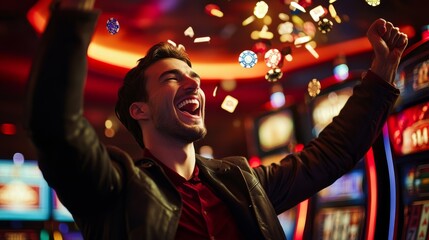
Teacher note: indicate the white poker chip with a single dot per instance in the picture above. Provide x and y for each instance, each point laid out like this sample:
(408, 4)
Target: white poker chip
(247, 59)
(272, 58)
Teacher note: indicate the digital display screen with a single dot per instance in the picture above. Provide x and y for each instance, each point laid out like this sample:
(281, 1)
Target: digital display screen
(14, 234)
(24, 194)
(274, 131)
(348, 187)
(417, 219)
(288, 221)
(413, 76)
(327, 106)
(408, 130)
(340, 223)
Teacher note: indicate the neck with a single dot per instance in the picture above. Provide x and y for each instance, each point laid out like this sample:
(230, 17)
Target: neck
(175, 155)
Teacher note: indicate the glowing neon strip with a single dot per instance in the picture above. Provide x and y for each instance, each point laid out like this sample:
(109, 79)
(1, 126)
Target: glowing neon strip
(302, 218)
(392, 182)
(372, 194)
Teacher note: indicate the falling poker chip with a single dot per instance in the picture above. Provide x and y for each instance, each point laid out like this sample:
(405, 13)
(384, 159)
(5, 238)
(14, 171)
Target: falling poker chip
(112, 26)
(247, 59)
(272, 58)
(314, 87)
(325, 25)
(273, 75)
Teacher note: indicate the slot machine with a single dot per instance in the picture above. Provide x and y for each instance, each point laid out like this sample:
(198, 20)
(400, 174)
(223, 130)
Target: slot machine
(64, 226)
(24, 201)
(407, 143)
(349, 208)
(272, 137)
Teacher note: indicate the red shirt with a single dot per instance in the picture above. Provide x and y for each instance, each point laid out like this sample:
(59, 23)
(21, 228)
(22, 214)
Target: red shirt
(204, 215)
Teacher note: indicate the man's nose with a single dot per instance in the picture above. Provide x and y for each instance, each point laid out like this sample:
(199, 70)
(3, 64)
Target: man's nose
(191, 84)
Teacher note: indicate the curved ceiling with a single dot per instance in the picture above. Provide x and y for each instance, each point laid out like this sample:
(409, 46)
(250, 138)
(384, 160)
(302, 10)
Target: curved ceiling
(144, 23)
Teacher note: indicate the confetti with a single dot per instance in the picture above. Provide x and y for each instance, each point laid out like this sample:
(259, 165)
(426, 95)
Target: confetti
(272, 57)
(213, 10)
(248, 20)
(274, 74)
(172, 43)
(189, 32)
(229, 104)
(332, 11)
(325, 25)
(181, 47)
(314, 87)
(247, 59)
(112, 26)
(302, 40)
(373, 3)
(261, 9)
(295, 5)
(311, 50)
(202, 39)
(285, 28)
(317, 12)
(215, 90)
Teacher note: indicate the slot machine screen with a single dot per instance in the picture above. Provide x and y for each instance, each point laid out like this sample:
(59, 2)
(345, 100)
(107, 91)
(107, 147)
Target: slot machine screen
(340, 223)
(24, 194)
(328, 104)
(347, 188)
(408, 130)
(274, 132)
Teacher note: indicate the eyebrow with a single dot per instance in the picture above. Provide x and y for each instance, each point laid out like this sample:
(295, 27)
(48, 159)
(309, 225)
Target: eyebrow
(178, 72)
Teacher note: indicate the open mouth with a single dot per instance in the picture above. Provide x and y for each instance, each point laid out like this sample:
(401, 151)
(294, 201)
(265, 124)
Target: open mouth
(190, 105)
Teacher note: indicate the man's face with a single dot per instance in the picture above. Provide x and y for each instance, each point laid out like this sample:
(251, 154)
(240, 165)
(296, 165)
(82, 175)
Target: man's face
(176, 101)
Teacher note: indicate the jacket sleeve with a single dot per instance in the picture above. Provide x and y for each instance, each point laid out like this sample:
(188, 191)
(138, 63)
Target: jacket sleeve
(71, 157)
(337, 149)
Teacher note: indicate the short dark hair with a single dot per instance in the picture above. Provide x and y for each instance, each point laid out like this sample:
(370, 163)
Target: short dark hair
(134, 85)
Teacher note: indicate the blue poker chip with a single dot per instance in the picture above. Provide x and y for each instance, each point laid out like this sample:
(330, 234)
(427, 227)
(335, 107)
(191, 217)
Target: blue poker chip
(247, 59)
(112, 26)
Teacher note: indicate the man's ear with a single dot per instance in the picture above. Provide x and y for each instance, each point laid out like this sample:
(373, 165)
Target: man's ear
(139, 110)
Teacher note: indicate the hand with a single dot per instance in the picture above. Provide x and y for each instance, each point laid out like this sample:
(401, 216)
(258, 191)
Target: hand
(388, 44)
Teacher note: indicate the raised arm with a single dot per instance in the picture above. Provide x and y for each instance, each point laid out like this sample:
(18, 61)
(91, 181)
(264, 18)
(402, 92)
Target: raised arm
(71, 157)
(345, 141)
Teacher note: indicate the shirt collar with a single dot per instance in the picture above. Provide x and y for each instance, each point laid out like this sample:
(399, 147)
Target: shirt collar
(172, 175)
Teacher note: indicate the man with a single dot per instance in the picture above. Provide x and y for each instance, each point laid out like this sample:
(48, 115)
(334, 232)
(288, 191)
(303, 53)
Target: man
(171, 192)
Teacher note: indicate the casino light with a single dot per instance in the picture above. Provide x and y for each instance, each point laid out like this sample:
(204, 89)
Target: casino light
(8, 129)
(206, 151)
(18, 158)
(254, 161)
(109, 130)
(425, 32)
(341, 72)
(277, 99)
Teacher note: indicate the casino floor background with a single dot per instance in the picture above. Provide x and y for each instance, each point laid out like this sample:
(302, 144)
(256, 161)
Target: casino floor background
(277, 96)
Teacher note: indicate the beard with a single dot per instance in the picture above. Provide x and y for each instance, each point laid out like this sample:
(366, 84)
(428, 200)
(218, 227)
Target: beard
(171, 125)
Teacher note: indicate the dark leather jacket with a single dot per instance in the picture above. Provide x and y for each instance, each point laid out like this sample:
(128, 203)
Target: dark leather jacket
(111, 196)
